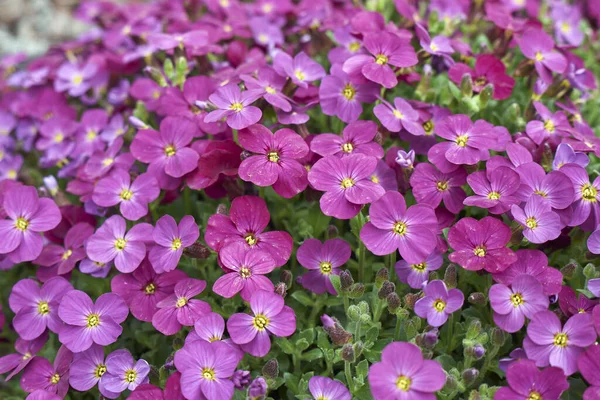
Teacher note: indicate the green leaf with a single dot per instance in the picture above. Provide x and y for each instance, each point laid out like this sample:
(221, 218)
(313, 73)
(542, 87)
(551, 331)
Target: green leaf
(303, 298)
(455, 90)
(302, 344)
(335, 281)
(312, 355)
(291, 382)
(285, 345)
(362, 369)
(318, 220)
(307, 334)
(372, 334)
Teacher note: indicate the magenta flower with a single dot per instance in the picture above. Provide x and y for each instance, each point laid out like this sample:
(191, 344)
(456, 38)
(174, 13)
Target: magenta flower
(431, 186)
(357, 138)
(340, 97)
(248, 218)
(210, 328)
(41, 375)
(586, 201)
(540, 224)
(387, 49)
(513, 304)
(438, 46)
(400, 115)
(206, 369)
(75, 79)
(538, 46)
(27, 217)
(566, 155)
(62, 259)
(26, 351)
(554, 188)
(415, 275)
(385, 176)
(589, 365)
(275, 163)
(234, 106)
(270, 84)
(245, 270)
(88, 370)
(438, 303)
(102, 162)
(571, 303)
(403, 373)
(527, 382)
(190, 39)
(300, 69)
(167, 150)
(36, 307)
(132, 197)
(321, 387)
(488, 71)
(593, 242)
(180, 308)
(147, 391)
(550, 127)
(322, 260)
(124, 373)
(392, 226)
(144, 288)
(481, 244)
(549, 343)
(533, 263)
(110, 242)
(346, 183)
(87, 323)
(271, 316)
(171, 240)
(494, 189)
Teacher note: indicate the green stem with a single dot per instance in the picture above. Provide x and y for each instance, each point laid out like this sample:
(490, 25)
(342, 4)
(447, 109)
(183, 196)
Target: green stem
(348, 373)
(346, 304)
(187, 201)
(379, 306)
(315, 311)
(450, 329)
(357, 331)
(397, 329)
(361, 262)
(392, 271)
(296, 362)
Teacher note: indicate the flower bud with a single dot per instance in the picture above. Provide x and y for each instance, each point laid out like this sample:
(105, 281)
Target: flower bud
(381, 276)
(258, 388)
(332, 231)
(281, 289)
(271, 369)
(156, 75)
(405, 160)
(589, 271)
(469, 375)
(477, 299)
(222, 209)
(245, 154)
(198, 251)
(568, 270)
(485, 96)
(339, 335)
(327, 321)
(393, 302)
(451, 383)
(466, 85)
(450, 276)
(177, 343)
(498, 336)
(363, 306)
(137, 123)
(379, 139)
(241, 379)
(348, 353)
(358, 349)
(357, 290)
(402, 313)
(386, 289)
(346, 280)
(410, 299)
(476, 352)
(286, 277)
(365, 318)
(354, 313)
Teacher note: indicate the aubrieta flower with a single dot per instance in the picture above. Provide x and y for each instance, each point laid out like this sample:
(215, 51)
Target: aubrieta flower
(431, 186)
(488, 70)
(566, 155)
(270, 316)
(415, 275)
(206, 369)
(133, 197)
(26, 351)
(586, 203)
(357, 138)
(180, 308)
(110, 242)
(405, 159)
(538, 46)
(102, 162)
(438, 46)
(402, 373)
(147, 391)
(144, 288)
(62, 259)
(301, 69)
(346, 182)
(549, 343)
(481, 244)
(27, 217)
(589, 366)
(533, 263)
(75, 79)
(124, 373)
(171, 239)
(245, 270)
(275, 160)
(323, 388)
(87, 323)
(526, 381)
(271, 85)
(190, 39)
(540, 224)
(322, 260)
(387, 49)
(248, 218)
(550, 127)
(393, 226)
(37, 308)
(494, 189)
(53, 378)
(523, 299)
(88, 370)
(571, 303)
(438, 303)
(400, 115)
(234, 106)
(554, 188)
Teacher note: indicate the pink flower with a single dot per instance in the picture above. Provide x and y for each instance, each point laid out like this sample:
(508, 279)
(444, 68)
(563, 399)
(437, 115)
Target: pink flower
(322, 260)
(171, 240)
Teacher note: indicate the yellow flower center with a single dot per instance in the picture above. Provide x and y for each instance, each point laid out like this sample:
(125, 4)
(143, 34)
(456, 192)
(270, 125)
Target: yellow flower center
(150, 288)
(325, 267)
(43, 308)
(433, 47)
(91, 135)
(347, 183)
(270, 90)
(541, 193)
(107, 161)
(531, 223)
(374, 179)
(176, 245)
(493, 196)
(381, 59)
(419, 267)
(428, 127)
(245, 272)
(517, 299)
(349, 92)
(403, 383)
(462, 140)
(250, 239)
(27, 356)
(93, 320)
(99, 264)
(182, 301)
(11, 174)
(442, 186)
(126, 194)
(565, 27)
(479, 251)
(533, 395)
(561, 340)
(300, 75)
(398, 114)
(237, 107)
(209, 374)
(120, 244)
(439, 305)
(260, 322)
(273, 156)
(354, 47)
(21, 224)
(59, 137)
(130, 376)
(100, 370)
(77, 79)
(214, 339)
(588, 193)
(539, 56)
(54, 379)
(549, 126)
(400, 228)
(347, 147)
(170, 150)
(262, 38)
(480, 81)
(67, 254)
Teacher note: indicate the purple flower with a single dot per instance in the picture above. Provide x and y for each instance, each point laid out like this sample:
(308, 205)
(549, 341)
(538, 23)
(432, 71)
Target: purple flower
(405, 160)
(180, 308)
(550, 127)
(275, 163)
(533, 263)
(586, 202)
(415, 275)
(132, 197)
(28, 216)
(167, 150)
(481, 244)
(88, 369)
(270, 84)
(171, 240)
(190, 39)
(75, 79)
(494, 189)
(123, 373)
(589, 366)
(88, 136)
(27, 349)
(357, 138)
(554, 188)
(41, 375)
(322, 387)
(258, 388)
(300, 69)
(593, 242)
(251, 332)
(322, 259)
(549, 343)
(513, 304)
(392, 226)
(431, 186)
(62, 259)
(144, 288)
(385, 176)
(527, 382)
(438, 303)
(571, 303)
(386, 49)
(234, 106)
(438, 46)
(87, 323)
(400, 115)
(346, 183)
(245, 269)
(102, 162)
(403, 374)
(342, 98)
(538, 46)
(488, 71)
(110, 242)
(37, 308)
(206, 369)
(540, 223)
(147, 391)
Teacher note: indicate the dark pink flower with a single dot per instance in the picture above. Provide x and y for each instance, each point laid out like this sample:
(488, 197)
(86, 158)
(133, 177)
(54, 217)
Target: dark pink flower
(431, 186)
(488, 71)
(538, 46)
(526, 381)
(357, 138)
(41, 375)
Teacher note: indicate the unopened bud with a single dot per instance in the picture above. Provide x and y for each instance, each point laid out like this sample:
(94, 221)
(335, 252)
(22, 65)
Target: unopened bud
(450, 276)
(451, 383)
(281, 289)
(568, 270)
(498, 336)
(358, 349)
(327, 321)
(348, 353)
(365, 318)
(386, 289)
(271, 369)
(137, 123)
(156, 75)
(354, 313)
(357, 290)
(241, 379)
(258, 388)
(393, 302)
(430, 338)
(339, 336)
(466, 85)
(346, 280)
(410, 299)
(486, 95)
(378, 138)
(589, 271)
(222, 209)
(177, 343)
(198, 251)
(286, 277)
(364, 308)
(476, 352)
(469, 375)
(332, 231)
(381, 276)
(477, 299)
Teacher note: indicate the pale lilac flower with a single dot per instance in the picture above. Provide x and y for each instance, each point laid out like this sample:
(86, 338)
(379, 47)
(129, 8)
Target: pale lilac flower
(234, 106)
(300, 69)
(540, 224)
(171, 239)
